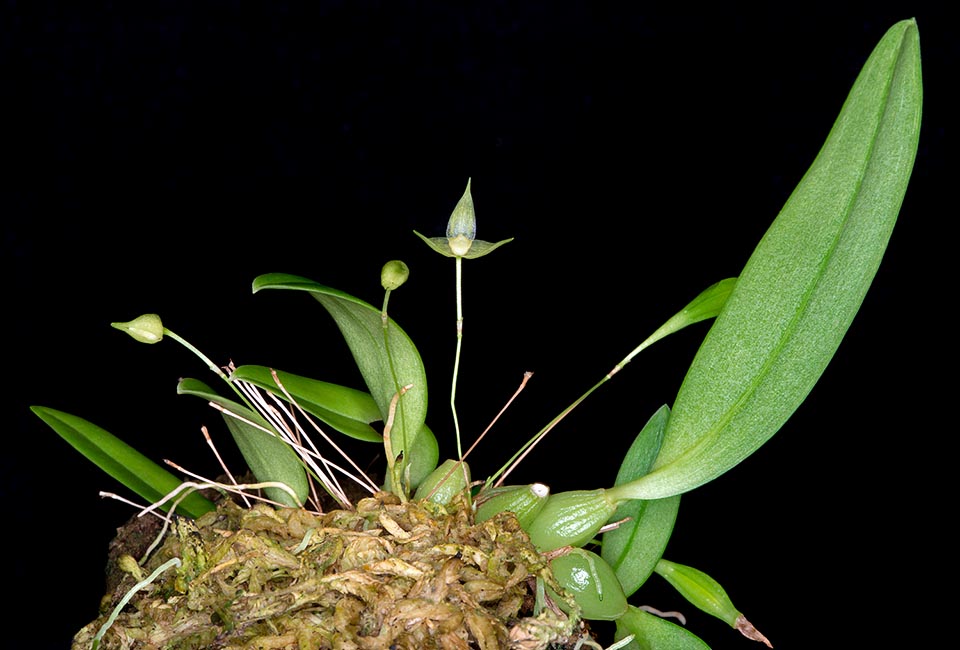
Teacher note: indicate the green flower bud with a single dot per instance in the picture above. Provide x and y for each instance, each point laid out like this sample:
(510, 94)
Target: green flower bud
(706, 593)
(146, 329)
(461, 239)
(571, 519)
(462, 226)
(592, 583)
(444, 483)
(393, 274)
(700, 589)
(525, 501)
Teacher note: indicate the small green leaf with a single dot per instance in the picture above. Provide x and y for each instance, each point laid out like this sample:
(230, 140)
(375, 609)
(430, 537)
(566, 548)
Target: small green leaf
(634, 548)
(267, 456)
(121, 461)
(654, 633)
(387, 363)
(347, 410)
(804, 282)
(706, 305)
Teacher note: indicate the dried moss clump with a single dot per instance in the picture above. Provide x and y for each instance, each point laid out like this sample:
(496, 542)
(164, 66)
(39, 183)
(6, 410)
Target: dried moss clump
(387, 576)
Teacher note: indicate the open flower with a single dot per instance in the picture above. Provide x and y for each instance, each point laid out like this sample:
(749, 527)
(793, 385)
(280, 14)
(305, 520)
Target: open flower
(461, 236)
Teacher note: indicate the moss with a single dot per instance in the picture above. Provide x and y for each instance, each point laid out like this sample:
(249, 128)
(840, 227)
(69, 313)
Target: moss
(387, 575)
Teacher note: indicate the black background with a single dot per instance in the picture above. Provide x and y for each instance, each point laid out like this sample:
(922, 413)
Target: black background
(162, 155)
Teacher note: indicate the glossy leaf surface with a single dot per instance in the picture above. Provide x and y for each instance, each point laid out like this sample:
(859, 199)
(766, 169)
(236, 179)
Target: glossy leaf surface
(121, 461)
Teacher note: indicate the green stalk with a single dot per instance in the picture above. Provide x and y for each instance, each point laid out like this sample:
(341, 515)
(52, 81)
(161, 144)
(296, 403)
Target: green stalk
(706, 305)
(456, 359)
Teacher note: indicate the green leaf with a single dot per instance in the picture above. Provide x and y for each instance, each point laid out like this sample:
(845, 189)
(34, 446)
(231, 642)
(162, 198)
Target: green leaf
(654, 633)
(804, 282)
(267, 456)
(707, 304)
(121, 461)
(634, 548)
(423, 455)
(347, 410)
(387, 363)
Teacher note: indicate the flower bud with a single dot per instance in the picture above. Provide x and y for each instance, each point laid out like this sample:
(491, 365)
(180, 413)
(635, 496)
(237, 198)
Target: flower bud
(444, 483)
(571, 519)
(592, 582)
(525, 501)
(700, 589)
(393, 274)
(706, 593)
(461, 240)
(146, 329)
(462, 226)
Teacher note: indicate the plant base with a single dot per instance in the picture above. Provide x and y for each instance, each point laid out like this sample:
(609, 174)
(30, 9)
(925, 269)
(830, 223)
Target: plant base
(386, 576)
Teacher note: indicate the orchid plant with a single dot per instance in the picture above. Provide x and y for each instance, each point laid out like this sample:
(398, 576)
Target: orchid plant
(427, 556)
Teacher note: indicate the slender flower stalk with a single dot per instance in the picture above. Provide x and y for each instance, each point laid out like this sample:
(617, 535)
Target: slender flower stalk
(460, 243)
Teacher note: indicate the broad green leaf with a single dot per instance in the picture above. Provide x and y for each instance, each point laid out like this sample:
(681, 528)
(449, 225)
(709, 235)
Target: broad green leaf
(267, 456)
(121, 461)
(386, 362)
(634, 548)
(804, 282)
(347, 410)
(655, 633)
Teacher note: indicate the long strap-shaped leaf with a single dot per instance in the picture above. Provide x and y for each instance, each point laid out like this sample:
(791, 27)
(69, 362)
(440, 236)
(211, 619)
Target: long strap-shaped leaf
(804, 283)
(347, 410)
(121, 461)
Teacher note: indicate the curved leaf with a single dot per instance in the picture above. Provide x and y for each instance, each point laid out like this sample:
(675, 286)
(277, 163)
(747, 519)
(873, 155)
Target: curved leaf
(347, 410)
(121, 461)
(634, 548)
(268, 457)
(387, 363)
(805, 281)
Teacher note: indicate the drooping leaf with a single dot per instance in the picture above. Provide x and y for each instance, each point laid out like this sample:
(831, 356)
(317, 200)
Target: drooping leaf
(804, 282)
(634, 548)
(121, 461)
(267, 456)
(387, 361)
(347, 410)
